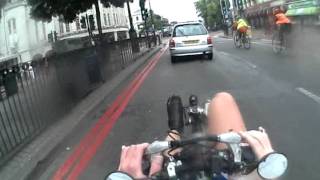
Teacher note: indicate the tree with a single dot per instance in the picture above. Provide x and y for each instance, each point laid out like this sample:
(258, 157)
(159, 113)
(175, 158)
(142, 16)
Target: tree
(158, 21)
(210, 11)
(68, 9)
(2, 4)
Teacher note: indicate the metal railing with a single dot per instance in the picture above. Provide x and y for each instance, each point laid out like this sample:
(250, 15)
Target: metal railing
(33, 95)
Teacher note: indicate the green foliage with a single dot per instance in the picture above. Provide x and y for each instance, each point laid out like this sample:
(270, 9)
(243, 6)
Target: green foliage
(210, 11)
(158, 21)
(68, 9)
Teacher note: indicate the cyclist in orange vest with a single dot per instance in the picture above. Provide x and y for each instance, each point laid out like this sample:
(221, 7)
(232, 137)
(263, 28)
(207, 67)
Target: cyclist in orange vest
(282, 21)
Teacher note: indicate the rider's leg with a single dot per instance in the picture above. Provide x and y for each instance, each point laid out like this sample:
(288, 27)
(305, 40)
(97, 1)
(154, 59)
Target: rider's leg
(280, 28)
(224, 115)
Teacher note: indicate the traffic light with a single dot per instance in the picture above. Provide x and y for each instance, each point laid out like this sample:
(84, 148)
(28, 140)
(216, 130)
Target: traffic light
(145, 14)
(91, 22)
(83, 22)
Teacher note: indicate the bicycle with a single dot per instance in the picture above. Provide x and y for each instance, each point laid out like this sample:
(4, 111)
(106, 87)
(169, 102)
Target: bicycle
(244, 41)
(199, 160)
(279, 42)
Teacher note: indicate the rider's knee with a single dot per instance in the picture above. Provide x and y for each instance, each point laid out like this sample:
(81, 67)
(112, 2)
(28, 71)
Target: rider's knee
(223, 97)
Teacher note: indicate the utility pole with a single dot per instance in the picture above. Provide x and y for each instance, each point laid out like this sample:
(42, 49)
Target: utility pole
(132, 32)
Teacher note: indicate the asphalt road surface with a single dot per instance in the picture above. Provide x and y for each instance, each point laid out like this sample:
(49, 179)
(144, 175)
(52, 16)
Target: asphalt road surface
(278, 92)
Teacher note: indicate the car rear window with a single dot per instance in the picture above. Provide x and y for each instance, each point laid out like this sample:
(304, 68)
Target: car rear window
(189, 30)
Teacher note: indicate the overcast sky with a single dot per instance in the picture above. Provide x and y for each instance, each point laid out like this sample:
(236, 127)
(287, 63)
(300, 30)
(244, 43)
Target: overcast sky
(174, 10)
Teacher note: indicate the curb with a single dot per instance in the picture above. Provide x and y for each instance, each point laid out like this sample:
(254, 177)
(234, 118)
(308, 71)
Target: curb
(27, 160)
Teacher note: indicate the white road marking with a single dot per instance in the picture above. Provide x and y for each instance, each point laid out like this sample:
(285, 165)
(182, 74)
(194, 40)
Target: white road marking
(262, 43)
(309, 94)
(266, 40)
(251, 65)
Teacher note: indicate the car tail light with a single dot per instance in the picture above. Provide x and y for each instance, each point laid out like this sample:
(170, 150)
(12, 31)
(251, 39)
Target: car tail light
(172, 43)
(209, 40)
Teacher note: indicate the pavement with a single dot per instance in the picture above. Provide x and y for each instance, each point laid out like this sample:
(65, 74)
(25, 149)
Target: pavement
(278, 92)
(36, 153)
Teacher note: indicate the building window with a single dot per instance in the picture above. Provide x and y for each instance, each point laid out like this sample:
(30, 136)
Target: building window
(61, 27)
(67, 27)
(137, 18)
(9, 27)
(44, 31)
(109, 20)
(78, 23)
(105, 19)
(117, 18)
(12, 26)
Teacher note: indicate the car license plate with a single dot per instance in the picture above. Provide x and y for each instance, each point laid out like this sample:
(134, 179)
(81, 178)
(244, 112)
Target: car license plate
(191, 42)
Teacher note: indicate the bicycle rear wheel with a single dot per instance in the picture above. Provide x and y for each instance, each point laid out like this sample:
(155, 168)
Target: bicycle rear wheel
(236, 42)
(276, 43)
(247, 42)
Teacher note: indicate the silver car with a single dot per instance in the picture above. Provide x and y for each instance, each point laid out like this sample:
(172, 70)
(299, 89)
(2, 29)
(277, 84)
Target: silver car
(190, 39)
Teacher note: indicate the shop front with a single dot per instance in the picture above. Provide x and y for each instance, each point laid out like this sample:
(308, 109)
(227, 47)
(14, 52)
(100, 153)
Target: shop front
(260, 15)
(304, 13)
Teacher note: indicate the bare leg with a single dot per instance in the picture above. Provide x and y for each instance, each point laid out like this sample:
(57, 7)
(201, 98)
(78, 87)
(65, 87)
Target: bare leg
(224, 115)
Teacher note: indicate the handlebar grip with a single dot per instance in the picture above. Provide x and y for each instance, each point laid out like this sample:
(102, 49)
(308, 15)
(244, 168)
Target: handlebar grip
(146, 164)
(249, 158)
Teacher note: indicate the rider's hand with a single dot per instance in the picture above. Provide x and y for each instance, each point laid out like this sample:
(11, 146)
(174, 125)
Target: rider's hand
(131, 161)
(259, 141)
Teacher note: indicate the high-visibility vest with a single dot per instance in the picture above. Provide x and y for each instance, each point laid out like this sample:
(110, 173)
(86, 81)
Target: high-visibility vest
(282, 19)
(241, 23)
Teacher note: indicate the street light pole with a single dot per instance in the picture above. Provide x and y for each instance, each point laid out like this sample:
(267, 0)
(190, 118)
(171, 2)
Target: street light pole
(152, 22)
(132, 33)
(4, 28)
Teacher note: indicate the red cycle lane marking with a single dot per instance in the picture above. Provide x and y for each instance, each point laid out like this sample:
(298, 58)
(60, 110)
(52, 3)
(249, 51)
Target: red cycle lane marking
(65, 167)
(83, 163)
(88, 139)
(63, 170)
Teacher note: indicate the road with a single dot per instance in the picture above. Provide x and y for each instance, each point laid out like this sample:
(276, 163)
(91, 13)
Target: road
(278, 92)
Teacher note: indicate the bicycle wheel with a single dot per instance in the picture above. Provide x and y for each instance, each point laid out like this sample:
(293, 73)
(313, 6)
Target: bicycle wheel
(246, 42)
(236, 41)
(276, 43)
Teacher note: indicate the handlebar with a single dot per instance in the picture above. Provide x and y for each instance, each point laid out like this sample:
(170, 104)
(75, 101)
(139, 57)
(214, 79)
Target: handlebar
(197, 157)
(159, 146)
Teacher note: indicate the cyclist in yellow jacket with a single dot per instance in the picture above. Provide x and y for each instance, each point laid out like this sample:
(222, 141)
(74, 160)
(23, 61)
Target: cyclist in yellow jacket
(242, 27)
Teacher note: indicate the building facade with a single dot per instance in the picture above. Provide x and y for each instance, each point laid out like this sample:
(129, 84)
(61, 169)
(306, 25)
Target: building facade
(113, 20)
(26, 38)
(301, 12)
(20, 35)
(137, 20)
(305, 13)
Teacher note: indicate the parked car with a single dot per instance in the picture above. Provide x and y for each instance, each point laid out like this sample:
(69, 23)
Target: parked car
(190, 38)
